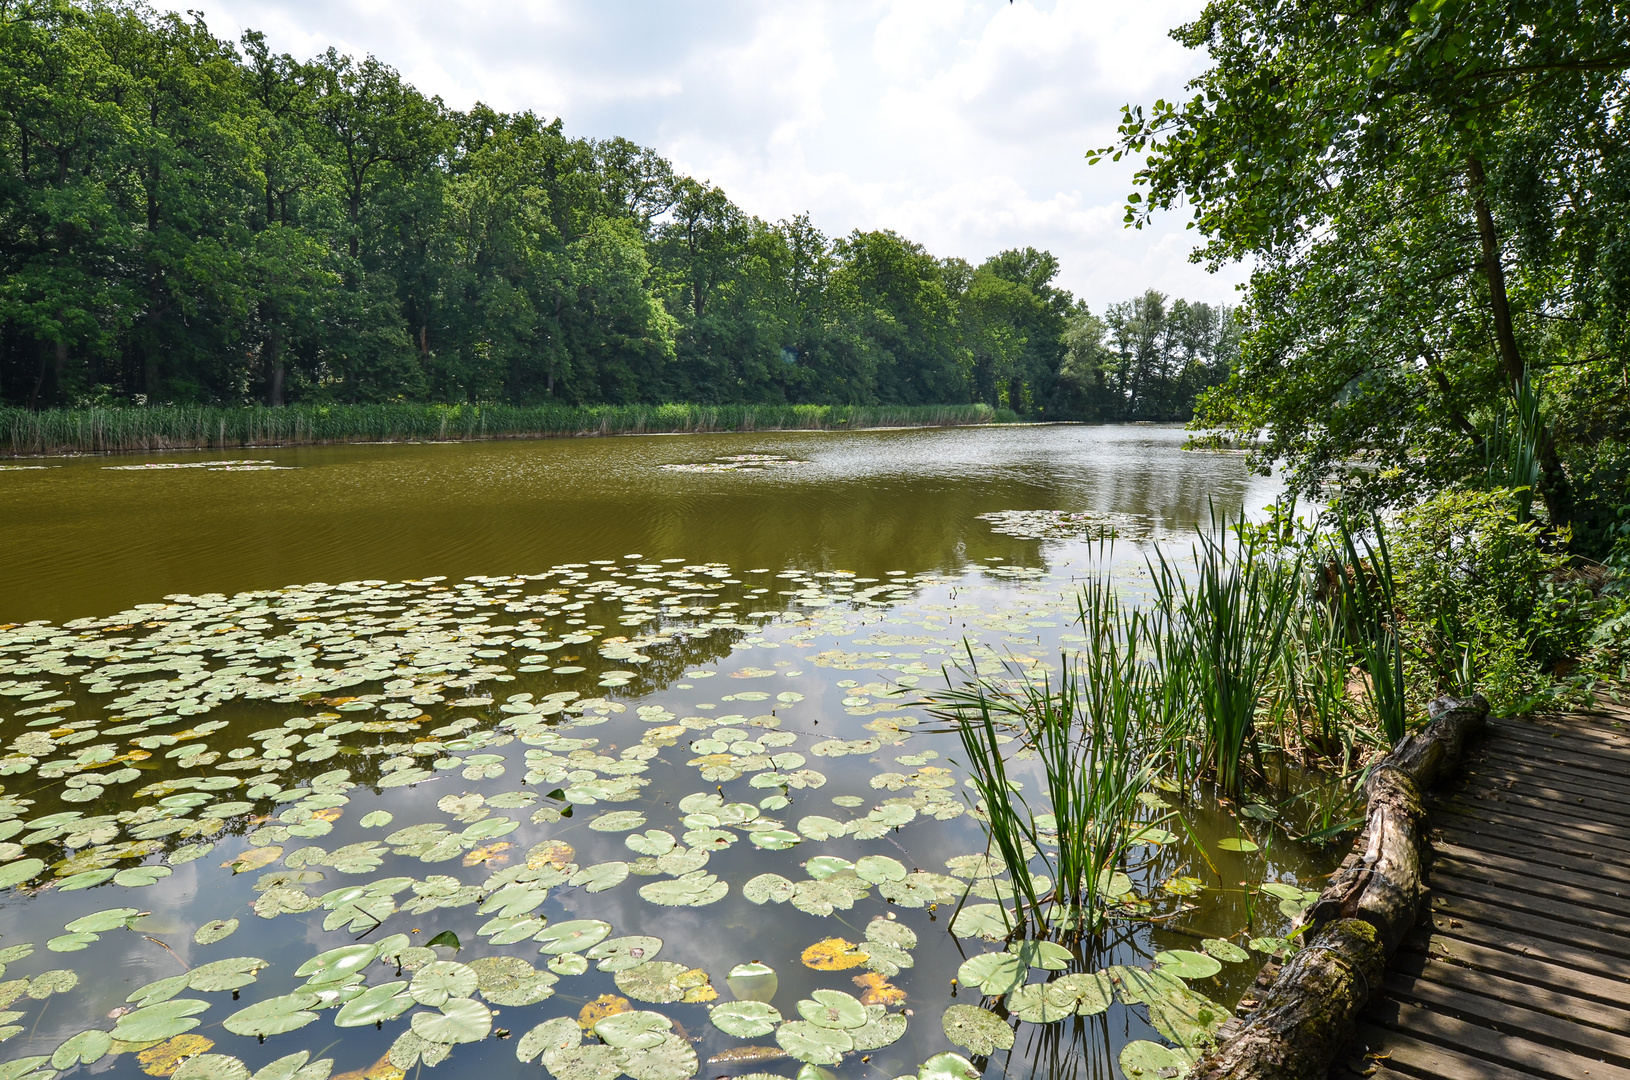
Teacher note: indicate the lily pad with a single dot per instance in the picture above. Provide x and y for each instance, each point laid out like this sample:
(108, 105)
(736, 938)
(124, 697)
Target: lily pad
(882, 1028)
(1090, 992)
(671, 1059)
(560, 1033)
(162, 1021)
(622, 953)
(1236, 843)
(600, 876)
(880, 868)
(593, 1062)
(768, 888)
(695, 889)
(981, 920)
(947, 1066)
(994, 973)
(1145, 1060)
(745, 1019)
(20, 871)
(1042, 954)
(1226, 951)
(229, 974)
(211, 1067)
(274, 1016)
(461, 1020)
(1186, 964)
(635, 1030)
(753, 982)
(441, 980)
(83, 1049)
(656, 981)
(572, 936)
(214, 930)
(812, 1043)
(832, 1009)
(980, 1031)
(1032, 1004)
(375, 1005)
(618, 821)
(337, 965)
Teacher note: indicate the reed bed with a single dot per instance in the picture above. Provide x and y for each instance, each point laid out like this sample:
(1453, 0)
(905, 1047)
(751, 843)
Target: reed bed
(189, 427)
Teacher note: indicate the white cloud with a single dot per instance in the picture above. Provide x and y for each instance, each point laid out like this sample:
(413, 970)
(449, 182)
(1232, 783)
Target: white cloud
(961, 123)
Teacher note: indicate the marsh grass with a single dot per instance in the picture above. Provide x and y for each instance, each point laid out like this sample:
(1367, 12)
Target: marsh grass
(1365, 587)
(177, 427)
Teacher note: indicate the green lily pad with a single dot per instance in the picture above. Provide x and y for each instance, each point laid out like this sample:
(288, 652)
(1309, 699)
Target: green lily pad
(768, 888)
(58, 981)
(882, 1028)
(511, 981)
(165, 1020)
(994, 973)
(671, 1059)
(622, 953)
(1088, 992)
(137, 876)
(274, 1016)
(211, 1067)
(880, 868)
(633, 1030)
(568, 964)
(294, 1067)
(618, 821)
(775, 839)
(1226, 951)
(1188, 965)
(337, 965)
(1280, 890)
(1032, 1004)
(461, 1020)
(20, 871)
(375, 819)
(161, 990)
(375, 1005)
(824, 897)
(102, 921)
(980, 1031)
(695, 889)
(817, 827)
(1042, 954)
(1145, 1060)
(745, 1019)
(572, 936)
(228, 974)
(947, 1066)
(982, 921)
(560, 1033)
(600, 876)
(1188, 1019)
(812, 1043)
(71, 942)
(83, 1049)
(214, 930)
(832, 1009)
(652, 842)
(655, 981)
(1236, 843)
(753, 982)
(592, 1062)
(885, 931)
(440, 980)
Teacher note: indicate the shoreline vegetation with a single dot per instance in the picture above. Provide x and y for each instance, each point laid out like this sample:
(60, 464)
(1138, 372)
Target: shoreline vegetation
(202, 427)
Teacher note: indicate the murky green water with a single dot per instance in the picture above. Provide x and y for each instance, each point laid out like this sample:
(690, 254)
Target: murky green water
(652, 688)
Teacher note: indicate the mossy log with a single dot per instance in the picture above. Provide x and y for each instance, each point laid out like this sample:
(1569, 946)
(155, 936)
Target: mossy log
(1308, 1009)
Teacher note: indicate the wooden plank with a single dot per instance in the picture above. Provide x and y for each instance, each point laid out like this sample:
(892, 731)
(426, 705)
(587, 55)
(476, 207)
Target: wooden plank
(1546, 862)
(1530, 970)
(1565, 775)
(1553, 793)
(1462, 899)
(1474, 1040)
(1561, 869)
(1516, 801)
(1512, 1019)
(1556, 953)
(1545, 742)
(1526, 994)
(1603, 735)
(1413, 1058)
(1572, 837)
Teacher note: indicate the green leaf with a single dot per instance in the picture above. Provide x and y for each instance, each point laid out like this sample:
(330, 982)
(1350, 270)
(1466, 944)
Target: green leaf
(947, 1066)
(1144, 1060)
(436, 982)
(375, 1005)
(981, 920)
(214, 930)
(461, 1020)
(1226, 951)
(85, 1048)
(560, 1033)
(622, 953)
(165, 1020)
(994, 973)
(1236, 843)
(745, 1019)
(211, 1067)
(767, 888)
(753, 982)
(228, 974)
(102, 921)
(671, 1059)
(636, 1030)
(832, 1009)
(1188, 965)
(572, 936)
(813, 1043)
(655, 981)
(1042, 954)
(337, 965)
(20, 871)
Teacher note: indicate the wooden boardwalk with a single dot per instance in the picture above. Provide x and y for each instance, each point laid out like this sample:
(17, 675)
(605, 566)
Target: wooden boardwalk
(1525, 968)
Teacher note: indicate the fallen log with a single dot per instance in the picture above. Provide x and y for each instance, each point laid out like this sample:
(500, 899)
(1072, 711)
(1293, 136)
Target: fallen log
(1308, 1009)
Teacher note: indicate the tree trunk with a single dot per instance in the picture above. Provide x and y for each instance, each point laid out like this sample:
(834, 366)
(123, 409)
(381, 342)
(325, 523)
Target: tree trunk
(1555, 488)
(271, 352)
(1308, 1010)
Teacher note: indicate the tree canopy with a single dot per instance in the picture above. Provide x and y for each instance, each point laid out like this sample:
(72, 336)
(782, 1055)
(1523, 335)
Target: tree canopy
(1435, 197)
(187, 219)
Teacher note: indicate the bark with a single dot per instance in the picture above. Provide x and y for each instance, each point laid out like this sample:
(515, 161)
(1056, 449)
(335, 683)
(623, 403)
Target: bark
(272, 351)
(1554, 488)
(1309, 1009)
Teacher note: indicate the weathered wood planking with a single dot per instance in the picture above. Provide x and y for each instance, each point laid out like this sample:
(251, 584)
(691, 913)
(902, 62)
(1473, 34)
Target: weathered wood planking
(1523, 968)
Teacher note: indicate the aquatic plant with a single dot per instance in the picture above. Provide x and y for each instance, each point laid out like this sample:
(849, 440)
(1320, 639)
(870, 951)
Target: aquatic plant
(1366, 589)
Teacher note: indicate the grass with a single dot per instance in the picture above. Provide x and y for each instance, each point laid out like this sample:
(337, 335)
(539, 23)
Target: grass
(178, 427)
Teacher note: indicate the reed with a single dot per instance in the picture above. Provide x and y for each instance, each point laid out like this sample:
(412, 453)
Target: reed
(1365, 585)
(188, 427)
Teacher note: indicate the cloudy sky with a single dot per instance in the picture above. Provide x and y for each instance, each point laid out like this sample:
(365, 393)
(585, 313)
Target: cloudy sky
(962, 124)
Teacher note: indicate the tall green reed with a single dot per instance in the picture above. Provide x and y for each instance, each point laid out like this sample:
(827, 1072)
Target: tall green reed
(1365, 586)
(1235, 610)
(1095, 760)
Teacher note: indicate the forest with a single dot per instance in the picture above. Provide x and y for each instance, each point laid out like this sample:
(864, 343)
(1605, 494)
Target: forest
(188, 220)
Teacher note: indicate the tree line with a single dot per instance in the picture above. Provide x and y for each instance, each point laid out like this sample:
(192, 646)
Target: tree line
(191, 220)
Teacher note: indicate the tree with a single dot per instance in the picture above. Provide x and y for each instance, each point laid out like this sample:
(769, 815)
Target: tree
(1431, 193)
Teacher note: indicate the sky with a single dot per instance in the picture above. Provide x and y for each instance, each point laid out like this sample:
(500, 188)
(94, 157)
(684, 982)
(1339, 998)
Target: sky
(962, 124)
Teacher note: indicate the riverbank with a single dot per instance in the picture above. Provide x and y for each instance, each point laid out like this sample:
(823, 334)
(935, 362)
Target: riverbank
(69, 431)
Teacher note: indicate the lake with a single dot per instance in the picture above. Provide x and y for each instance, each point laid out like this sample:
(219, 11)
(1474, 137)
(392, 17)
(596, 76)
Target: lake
(636, 721)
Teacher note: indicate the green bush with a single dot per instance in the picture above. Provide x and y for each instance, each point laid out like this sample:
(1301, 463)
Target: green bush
(1487, 600)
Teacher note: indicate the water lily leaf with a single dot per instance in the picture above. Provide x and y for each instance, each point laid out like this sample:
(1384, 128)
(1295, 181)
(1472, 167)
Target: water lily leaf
(600, 876)
(622, 953)
(656, 981)
(1226, 951)
(1279, 890)
(745, 1019)
(461, 1020)
(71, 942)
(560, 1033)
(634, 1030)
(1145, 1060)
(214, 930)
(833, 1009)
(137, 876)
(822, 867)
(59, 981)
(986, 921)
(652, 842)
(31, 1067)
(833, 954)
(274, 1016)
(947, 1066)
(162, 1021)
(882, 1028)
(228, 974)
(84, 880)
(16, 873)
(880, 868)
(511, 981)
(774, 839)
(593, 1062)
(823, 897)
(568, 964)
(336, 965)
(978, 1030)
(375, 1005)
(813, 1044)
(162, 990)
(993, 973)
(670, 1059)
(375, 819)
(1088, 992)
(1236, 843)
(1042, 954)
(618, 821)
(1032, 1004)
(436, 982)
(255, 859)
(1188, 965)
(572, 936)
(1186, 1018)
(766, 888)
(753, 982)
(883, 930)
(83, 1049)
(1140, 986)
(102, 921)
(211, 1067)
(294, 1067)
(446, 939)
(817, 827)
(695, 889)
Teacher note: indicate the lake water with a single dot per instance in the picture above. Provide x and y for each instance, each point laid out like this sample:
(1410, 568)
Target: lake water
(650, 704)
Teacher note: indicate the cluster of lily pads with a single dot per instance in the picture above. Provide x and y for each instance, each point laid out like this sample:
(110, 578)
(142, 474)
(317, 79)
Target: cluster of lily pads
(399, 685)
(1071, 525)
(734, 463)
